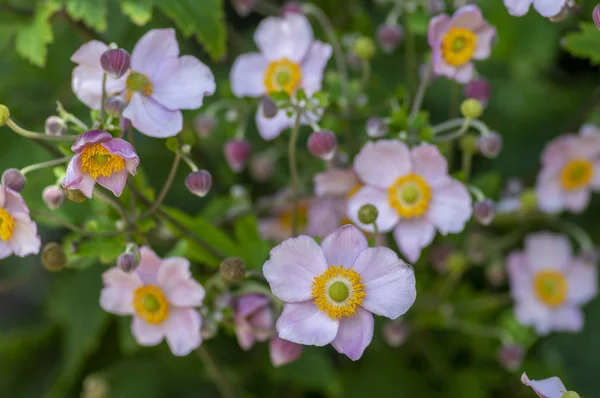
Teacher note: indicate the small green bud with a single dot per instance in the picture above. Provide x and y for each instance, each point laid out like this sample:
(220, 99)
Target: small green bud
(471, 108)
(364, 47)
(570, 394)
(367, 214)
(468, 143)
(528, 200)
(457, 262)
(4, 115)
(75, 195)
(426, 134)
(233, 269)
(53, 257)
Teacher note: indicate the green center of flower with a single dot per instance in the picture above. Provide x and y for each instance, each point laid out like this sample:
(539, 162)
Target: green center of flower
(137, 81)
(458, 44)
(410, 194)
(101, 159)
(338, 291)
(151, 303)
(283, 77)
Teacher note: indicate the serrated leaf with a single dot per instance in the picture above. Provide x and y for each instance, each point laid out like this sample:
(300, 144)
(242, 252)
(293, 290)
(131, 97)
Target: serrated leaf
(585, 43)
(202, 19)
(33, 38)
(90, 12)
(139, 11)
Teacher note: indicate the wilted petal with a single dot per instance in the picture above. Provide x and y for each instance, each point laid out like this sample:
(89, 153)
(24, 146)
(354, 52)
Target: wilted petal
(176, 281)
(288, 37)
(117, 294)
(182, 330)
(151, 118)
(381, 162)
(303, 323)
(247, 75)
(355, 334)
(412, 236)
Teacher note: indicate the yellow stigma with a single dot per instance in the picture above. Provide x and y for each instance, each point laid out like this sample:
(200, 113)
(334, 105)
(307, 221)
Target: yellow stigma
(7, 225)
(149, 302)
(97, 161)
(282, 75)
(577, 174)
(137, 82)
(409, 195)
(338, 291)
(550, 287)
(458, 46)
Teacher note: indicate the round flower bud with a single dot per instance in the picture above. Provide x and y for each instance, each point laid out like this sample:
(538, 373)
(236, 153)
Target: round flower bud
(484, 211)
(322, 144)
(55, 126)
(204, 125)
(237, 153)
(114, 106)
(528, 200)
(457, 262)
(395, 333)
(199, 182)
(490, 144)
(14, 179)
(596, 16)
(53, 257)
(232, 269)
(480, 90)
(115, 62)
(291, 7)
(388, 36)
(471, 108)
(269, 108)
(364, 48)
(127, 262)
(75, 195)
(367, 214)
(243, 7)
(53, 196)
(570, 394)
(376, 127)
(4, 115)
(511, 356)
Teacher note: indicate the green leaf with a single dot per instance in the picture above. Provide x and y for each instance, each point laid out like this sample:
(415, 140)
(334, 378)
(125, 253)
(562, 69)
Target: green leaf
(90, 12)
(202, 19)
(172, 144)
(139, 11)
(313, 370)
(418, 22)
(585, 43)
(253, 249)
(33, 38)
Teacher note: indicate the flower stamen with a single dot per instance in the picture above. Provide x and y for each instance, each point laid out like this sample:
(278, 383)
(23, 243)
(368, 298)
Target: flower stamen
(409, 195)
(7, 225)
(97, 161)
(282, 75)
(550, 287)
(577, 174)
(458, 46)
(149, 302)
(338, 291)
(137, 82)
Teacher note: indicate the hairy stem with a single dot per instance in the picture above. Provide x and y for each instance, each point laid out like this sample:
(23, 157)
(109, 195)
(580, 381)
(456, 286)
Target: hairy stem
(222, 384)
(43, 165)
(38, 136)
(166, 187)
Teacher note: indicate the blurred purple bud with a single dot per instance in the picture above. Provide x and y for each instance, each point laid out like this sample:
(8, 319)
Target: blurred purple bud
(127, 262)
(511, 356)
(115, 106)
(199, 182)
(14, 179)
(243, 7)
(322, 144)
(55, 126)
(490, 144)
(438, 255)
(283, 352)
(237, 153)
(484, 211)
(389, 36)
(596, 16)
(495, 274)
(53, 196)
(115, 62)
(479, 89)
(262, 166)
(514, 186)
(204, 125)
(395, 333)
(376, 127)
(269, 108)
(291, 7)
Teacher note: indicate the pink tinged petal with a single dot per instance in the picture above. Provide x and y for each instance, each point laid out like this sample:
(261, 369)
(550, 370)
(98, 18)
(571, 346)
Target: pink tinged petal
(390, 287)
(428, 161)
(412, 236)
(176, 281)
(283, 352)
(115, 183)
(117, 295)
(149, 265)
(124, 149)
(520, 275)
(76, 179)
(5, 250)
(354, 335)
(387, 218)
(342, 246)
(335, 182)
(303, 323)
(182, 330)
(440, 67)
(568, 318)
(89, 54)
(244, 334)
(185, 84)
(549, 192)
(380, 163)
(437, 26)
(151, 118)
(530, 312)
(288, 37)
(557, 152)
(577, 201)
(552, 387)
(582, 282)
(313, 66)
(247, 304)
(90, 137)
(152, 50)
(549, 8)
(517, 8)
(24, 240)
(469, 17)
(465, 73)
(547, 250)
(292, 267)
(450, 206)
(247, 75)
(262, 323)
(270, 128)
(595, 183)
(147, 334)
(485, 38)
(272, 228)
(12, 201)
(325, 215)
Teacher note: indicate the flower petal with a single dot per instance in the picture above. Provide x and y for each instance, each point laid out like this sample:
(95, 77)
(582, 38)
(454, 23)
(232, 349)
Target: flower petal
(520, 275)
(115, 183)
(549, 8)
(517, 8)
(390, 287)
(412, 236)
(122, 148)
(5, 250)
(303, 323)
(577, 201)
(283, 352)
(325, 215)
(117, 295)
(149, 265)
(176, 281)
(247, 75)
(342, 246)
(547, 388)
(248, 304)
(24, 240)
(428, 162)
(568, 318)
(77, 179)
(530, 312)
(583, 282)
(387, 217)
(355, 334)
(288, 37)
(182, 330)
(151, 118)
(465, 73)
(381, 162)
(152, 50)
(595, 183)
(90, 137)
(468, 17)
(313, 66)
(146, 334)
(549, 193)
(546, 250)
(292, 267)
(12, 201)
(485, 38)
(335, 182)
(271, 128)
(450, 206)
(437, 26)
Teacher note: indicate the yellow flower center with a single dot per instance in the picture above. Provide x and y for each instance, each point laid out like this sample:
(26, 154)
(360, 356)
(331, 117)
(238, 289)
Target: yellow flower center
(458, 46)
(338, 291)
(149, 302)
(97, 161)
(577, 174)
(285, 219)
(409, 196)
(550, 287)
(7, 225)
(353, 191)
(137, 82)
(282, 75)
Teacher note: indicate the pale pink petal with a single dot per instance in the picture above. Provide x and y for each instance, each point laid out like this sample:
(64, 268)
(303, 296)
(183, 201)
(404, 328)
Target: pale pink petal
(283, 352)
(77, 179)
(335, 182)
(518, 8)
(151, 118)
(520, 275)
(12, 201)
(247, 304)
(557, 152)
(24, 240)
(530, 312)
(247, 76)
(145, 333)
(176, 281)
(117, 295)
(549, 193)
(355, 334)
(115, 182)
(182, 330)
(440, 67)
(577, 201)
(595, 183)
(292, 267)
(413, 235)
(343, 246)
(270, 128)
(272, 228)
(390, 288)
(387, 218)
(450, 206)
(89, 54)
(124, 149)
(465, 73)
(437, 26)
(549, 8)
(485, 38)
(469, 17)
(582, 281)
(5, 250)
(313, 66)
(288, 37)
(303, 323)
(325, 215)
(381, 162)
(584, 146)
(428, 162)
(149, 265)
(552, 387)
(152, 50)
(90, 137)
(546, 250)
(244, 335)
(568, 318)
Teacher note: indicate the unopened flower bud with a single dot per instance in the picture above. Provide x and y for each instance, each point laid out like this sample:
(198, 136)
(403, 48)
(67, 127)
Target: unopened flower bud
(53, 257)
(395, 333)
(291, 7)
(204, 125)
(596, 16)
(237, 153)
(376, 127)
(243, 7)
(115, 62)
(457, 262)
(127, 262)
(511, 356)
(4, 115)
(283, 352)
(388, 36)
(115, 106)
(528, 200)
(233, 269)
(490, 144)
(570, 394)
(471, 108)
(269, 108)
(14, 179)
(322, 144)
(53, 196)
(199, 182)
(75, 195)
(484, 211)
(367, 214)
(480, 90)
(95, 387)
(55, 126)
(364, 48)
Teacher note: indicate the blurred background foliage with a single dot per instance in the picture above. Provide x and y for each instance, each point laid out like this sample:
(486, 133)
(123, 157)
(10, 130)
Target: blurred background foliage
(55, 340)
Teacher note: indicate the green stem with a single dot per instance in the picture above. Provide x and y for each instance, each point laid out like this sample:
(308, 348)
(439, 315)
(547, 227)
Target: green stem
(43, 165)
(103, 97)
(466, 123)
(366, 75)
(166, 187)
(410, 59)
(38, 136)
(294, 171)
(418, 101)
(66, 116)
(454, 99)
(578, 233)
(73, 227)
(115, 205)
(223, 386)
(467, 157)
(189, 162)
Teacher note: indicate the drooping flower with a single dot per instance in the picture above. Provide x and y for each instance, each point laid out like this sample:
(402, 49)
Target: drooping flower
(18, 233)
(549, 284)
(100, 158)
(161, 296)
(552, 387)
(412, 192)
(570, 171)
(289, 59)
(546, 8)
(331, 290)
(159, 84)
(458, 40)
(253, 318)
